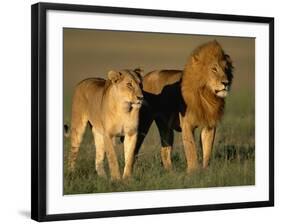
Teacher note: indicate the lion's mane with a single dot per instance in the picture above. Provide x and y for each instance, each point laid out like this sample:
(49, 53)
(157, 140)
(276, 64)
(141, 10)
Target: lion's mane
(205, 108)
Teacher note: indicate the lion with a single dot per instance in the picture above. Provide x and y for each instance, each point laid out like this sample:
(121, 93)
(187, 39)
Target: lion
(111, 107)
(183, 100)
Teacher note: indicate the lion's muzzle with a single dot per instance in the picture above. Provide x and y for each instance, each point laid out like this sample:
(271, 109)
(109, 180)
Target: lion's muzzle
(222, 93)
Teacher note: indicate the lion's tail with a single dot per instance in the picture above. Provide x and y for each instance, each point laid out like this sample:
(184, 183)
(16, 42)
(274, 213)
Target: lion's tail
(66, 130)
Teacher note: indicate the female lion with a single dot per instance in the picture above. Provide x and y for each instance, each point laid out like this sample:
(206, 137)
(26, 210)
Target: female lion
(112, 108)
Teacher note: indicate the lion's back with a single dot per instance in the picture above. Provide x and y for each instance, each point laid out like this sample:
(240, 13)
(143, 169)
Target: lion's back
(88, 96)
(91, 85)
(155, 81)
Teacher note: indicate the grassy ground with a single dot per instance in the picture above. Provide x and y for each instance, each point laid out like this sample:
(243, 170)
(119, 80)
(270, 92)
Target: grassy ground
(232, 164)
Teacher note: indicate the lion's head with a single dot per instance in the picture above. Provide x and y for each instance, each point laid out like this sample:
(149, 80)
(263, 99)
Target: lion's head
(127, 85)
(206, 81)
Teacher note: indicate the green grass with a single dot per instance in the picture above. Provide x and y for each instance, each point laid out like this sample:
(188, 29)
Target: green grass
(232, 163)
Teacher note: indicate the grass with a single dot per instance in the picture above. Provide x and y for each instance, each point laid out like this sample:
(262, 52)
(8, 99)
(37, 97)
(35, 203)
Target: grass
(232, 164)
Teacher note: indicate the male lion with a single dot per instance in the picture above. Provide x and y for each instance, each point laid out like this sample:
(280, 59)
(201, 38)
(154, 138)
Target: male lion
(185, 100)
(111, 107)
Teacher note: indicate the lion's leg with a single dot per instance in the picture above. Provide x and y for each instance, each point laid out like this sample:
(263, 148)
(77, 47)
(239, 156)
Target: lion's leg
(129, 148)
(112, 158)
(167, 139)
(100, 153)
(145, 121)
(166, 157)
(78, 125)
(207, 140)
(189, 146)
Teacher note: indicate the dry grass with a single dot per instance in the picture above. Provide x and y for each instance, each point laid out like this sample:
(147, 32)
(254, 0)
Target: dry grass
(232, 164)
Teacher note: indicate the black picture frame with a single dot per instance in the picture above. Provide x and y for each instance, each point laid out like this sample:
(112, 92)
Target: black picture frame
(38, 108)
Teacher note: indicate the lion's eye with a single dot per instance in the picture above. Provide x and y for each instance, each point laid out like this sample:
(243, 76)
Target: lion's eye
(129, 85)
(214, 69)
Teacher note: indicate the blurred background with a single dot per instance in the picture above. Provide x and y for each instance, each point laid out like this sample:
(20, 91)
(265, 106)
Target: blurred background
(92, 53)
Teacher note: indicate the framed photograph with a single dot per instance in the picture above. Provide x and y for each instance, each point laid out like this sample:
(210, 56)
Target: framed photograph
(139, 111)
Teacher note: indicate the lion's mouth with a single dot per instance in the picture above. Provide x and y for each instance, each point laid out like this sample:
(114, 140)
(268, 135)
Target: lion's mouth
(137, 103)
(222, 90)
(222, 93)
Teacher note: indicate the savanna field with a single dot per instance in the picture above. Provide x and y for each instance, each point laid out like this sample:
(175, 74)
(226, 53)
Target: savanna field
(92, 53)
(232, 161)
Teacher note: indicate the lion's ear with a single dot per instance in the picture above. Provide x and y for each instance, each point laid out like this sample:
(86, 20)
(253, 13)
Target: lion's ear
(114, 76)
(195, 59)
(139, 71)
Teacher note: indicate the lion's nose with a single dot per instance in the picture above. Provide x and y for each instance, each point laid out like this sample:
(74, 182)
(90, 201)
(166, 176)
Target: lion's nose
(225, 82)
(140, 97)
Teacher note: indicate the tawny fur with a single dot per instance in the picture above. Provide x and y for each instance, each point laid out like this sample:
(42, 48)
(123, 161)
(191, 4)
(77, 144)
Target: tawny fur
(112, 108)
(184, 100)
(204, 107)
